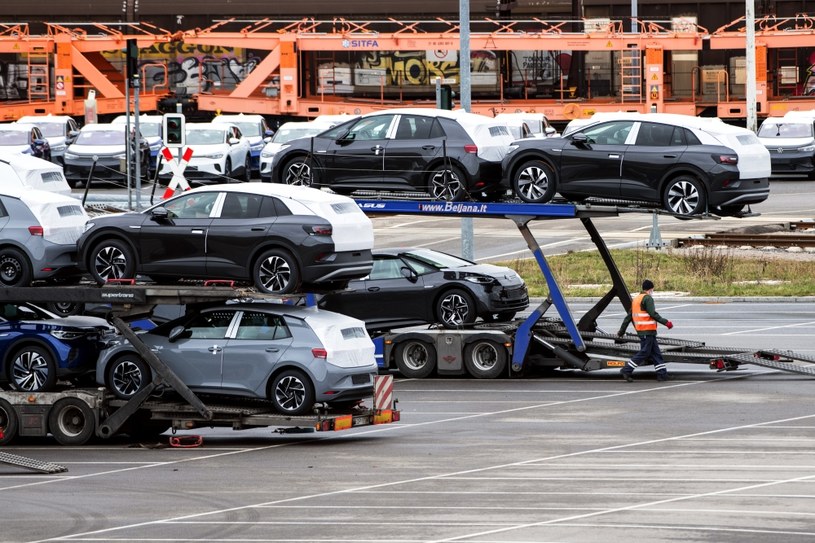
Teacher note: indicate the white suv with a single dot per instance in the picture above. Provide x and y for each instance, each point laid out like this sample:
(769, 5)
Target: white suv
(220, 154)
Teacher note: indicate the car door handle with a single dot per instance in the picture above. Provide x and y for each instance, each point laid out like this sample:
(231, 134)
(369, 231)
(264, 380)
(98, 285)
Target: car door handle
(373, 289)
(272, 350)
(215, 349)
(376, 149)
(613, 156)
(428, 147)
(257, 229)
(669, 156)
(196, 231)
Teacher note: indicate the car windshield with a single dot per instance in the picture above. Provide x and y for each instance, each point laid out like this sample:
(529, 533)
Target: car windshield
(249, 129)
(205, 137)
(785, 130)
(50, 130)
(149, 130)
(288, 134)
(437, 259)
(102, 137)
(14, 137)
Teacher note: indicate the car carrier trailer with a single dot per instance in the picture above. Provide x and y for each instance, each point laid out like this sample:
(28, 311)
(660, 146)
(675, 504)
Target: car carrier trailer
(491, 350)
(74, 415)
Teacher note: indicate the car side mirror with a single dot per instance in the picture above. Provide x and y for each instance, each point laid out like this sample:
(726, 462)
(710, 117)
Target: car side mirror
(160, 214)
(234, 141)
(580, 140)
(179, 332)
(267, 139)
(549, 131)
(345, 136)
(409, 274)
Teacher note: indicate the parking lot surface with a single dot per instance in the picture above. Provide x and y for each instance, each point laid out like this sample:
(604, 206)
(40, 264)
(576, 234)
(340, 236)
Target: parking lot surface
(578, 457)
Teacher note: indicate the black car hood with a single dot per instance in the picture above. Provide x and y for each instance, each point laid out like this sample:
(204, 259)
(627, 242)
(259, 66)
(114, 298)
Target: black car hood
(505, 276)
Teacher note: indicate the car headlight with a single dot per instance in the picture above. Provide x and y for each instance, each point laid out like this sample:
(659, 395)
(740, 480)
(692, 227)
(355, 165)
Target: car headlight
(213, 155)
(807, 149)
(57, 148)
(88, 226)
(71, 156)
(121, 155)
(512, 147)
(268, 154)
(67, 334)
(483, 280)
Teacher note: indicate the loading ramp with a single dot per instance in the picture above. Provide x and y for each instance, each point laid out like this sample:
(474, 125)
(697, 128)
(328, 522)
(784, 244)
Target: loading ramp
(569, 344)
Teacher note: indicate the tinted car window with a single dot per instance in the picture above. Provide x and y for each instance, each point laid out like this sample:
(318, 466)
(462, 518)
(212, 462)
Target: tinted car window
(690, 138)
(13, 137)
(211, 325)
(205, 137)
(241, 206)
(371, 128)
(656, 135)
(102, 137)
(613, 133)
(192, 206)
(386, 268)
(257, 325)
(3, 211)
(413, 127)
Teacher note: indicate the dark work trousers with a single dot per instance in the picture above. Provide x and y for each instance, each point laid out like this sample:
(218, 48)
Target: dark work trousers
(649, 349)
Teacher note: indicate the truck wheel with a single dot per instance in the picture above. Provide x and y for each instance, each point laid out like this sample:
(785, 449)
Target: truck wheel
(15, 271)
(292, 393)
(111, 259)
(276, 272)
(8, 422)
(71, 421)
(454, 308)
(32, 369)
(127, 375)
(415, 359)
(485, 359)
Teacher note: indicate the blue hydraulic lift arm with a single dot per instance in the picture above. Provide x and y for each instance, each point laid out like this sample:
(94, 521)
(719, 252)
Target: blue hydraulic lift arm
(521, 215)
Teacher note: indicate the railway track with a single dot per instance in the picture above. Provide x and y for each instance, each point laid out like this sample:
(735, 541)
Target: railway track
(798, 234)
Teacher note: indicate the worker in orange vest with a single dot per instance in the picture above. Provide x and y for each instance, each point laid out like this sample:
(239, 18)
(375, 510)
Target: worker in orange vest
(645, 318)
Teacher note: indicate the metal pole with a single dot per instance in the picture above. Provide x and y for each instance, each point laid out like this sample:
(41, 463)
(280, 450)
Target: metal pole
(466, 104)
(137, 147)
(750, 60)
(128, 143)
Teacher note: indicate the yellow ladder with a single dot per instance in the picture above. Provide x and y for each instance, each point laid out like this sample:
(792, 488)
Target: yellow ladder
(631, 75)
(39, 74)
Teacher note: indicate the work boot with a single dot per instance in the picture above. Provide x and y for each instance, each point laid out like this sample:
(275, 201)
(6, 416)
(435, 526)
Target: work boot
(665, 377)
(627, 376)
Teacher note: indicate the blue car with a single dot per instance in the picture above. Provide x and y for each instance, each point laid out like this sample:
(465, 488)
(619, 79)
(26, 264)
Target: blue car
(38, 348)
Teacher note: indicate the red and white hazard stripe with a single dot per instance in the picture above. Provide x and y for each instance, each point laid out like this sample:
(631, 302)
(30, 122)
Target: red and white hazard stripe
(383, 392)
(177, 168)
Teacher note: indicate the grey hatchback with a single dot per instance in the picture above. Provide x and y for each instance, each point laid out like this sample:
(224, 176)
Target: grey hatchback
(293, 356)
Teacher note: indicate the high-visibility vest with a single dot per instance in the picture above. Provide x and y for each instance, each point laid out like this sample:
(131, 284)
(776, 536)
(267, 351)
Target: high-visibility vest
(642, 320)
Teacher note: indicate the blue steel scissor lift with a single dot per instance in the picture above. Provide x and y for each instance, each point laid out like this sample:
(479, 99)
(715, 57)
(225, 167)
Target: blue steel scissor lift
(481, 349)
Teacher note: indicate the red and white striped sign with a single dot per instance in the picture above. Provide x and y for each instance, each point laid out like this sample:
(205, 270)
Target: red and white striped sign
(178, 168)
(383, 392)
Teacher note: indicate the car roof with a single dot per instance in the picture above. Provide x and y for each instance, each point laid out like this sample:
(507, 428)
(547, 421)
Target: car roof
(294, 192)
(308, 313)
(123, 119)
(240, 117)
(208, 126)
(101, 127)
(17, 127)
(36, 119)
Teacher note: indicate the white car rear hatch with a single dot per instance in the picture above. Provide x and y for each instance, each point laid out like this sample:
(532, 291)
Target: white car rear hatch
(62, 217)
(32, 173)
(352, 230)
(491, 136)
(344, 338)
(754, 158)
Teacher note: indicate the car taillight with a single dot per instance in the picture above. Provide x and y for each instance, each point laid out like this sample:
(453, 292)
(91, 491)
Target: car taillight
(319, 352)
(726, 159)
(470, 148)
(318, 230)
(35, 230)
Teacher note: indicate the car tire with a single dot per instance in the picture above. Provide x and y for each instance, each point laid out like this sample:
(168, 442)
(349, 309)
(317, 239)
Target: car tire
(276, 272)
(15, 270)
(485, 359)
(298, 171)
(415, 359)
(71, 421)
(32, 369)
(685, 196)
(454, 308)
(127, 375)
(8, 422)
(447, 183)
(534, 182)
(111, 259)
(228, 170)
(247, 169)
(292, 393)
(65, 309)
